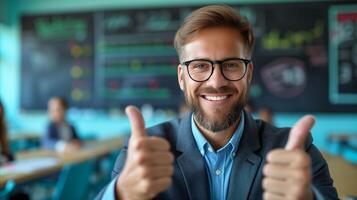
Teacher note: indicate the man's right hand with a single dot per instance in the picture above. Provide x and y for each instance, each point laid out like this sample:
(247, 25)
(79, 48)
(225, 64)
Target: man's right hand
(149, 165)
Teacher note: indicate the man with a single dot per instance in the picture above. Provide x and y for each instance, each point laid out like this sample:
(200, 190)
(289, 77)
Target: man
(218, 151)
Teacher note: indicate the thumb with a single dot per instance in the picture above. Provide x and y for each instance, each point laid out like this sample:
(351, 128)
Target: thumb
(299, 133)
(136, 121)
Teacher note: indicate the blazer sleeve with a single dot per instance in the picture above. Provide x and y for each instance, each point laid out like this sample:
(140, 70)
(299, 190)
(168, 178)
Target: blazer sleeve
(321, 179)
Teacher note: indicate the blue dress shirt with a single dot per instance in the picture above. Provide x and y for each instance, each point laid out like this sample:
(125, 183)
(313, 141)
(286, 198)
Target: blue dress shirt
(218, 163)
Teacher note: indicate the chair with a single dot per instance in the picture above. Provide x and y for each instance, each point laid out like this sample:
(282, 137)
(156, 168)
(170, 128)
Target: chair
(111, 162)
(8, 188)
(73, 181)
(103, 173)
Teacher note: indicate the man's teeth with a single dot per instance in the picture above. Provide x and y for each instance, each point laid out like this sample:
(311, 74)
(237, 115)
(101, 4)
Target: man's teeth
(215, 98)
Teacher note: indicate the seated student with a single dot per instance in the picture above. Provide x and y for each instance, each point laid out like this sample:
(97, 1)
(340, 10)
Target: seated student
(5, 154)
(266, 114)
(60, 134)
(249, 107)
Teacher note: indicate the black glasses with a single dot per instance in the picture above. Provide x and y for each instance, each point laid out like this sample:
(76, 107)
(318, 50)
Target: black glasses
(233, 69)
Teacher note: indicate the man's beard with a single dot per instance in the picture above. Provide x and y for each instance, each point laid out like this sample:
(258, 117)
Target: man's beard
(228, 120)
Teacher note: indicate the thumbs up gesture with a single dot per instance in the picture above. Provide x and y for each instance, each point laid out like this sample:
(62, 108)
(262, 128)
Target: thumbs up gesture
(287, 174)
(149, 165)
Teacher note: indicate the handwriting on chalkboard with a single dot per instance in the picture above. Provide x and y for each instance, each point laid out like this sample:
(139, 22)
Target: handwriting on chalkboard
(156, 21)
(61, 28)
(118, 21)
(275, 39)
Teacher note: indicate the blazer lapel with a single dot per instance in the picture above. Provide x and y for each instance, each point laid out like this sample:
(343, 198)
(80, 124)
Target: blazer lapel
(246, 162)
(191, 162)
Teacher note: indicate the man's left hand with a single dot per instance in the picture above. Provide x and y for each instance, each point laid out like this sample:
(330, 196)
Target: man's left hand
(287, 174)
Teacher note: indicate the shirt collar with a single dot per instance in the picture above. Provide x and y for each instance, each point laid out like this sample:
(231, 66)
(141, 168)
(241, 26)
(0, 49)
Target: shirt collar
(203, 144)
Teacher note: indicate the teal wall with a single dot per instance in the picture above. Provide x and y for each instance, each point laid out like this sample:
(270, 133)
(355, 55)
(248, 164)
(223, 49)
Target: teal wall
(102, 124)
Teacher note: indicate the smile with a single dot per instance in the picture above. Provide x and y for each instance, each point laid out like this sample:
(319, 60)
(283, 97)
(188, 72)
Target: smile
(215, 98)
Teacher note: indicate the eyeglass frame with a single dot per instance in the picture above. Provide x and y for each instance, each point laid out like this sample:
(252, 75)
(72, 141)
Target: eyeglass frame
(220, 62)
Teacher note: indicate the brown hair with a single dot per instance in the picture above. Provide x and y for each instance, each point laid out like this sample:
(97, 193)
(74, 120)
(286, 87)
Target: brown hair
(212, 16)
(61, 100)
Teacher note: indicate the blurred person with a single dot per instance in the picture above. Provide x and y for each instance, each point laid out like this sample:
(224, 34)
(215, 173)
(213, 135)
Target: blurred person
(218, 151)
(60, 134)
(183, 108)
(266, 114)
(249, 107)
(5, 154)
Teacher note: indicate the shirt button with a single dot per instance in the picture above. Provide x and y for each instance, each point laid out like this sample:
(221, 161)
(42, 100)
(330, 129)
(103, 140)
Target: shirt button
(218, 172)
(202, 152)
(233, 154)
(210, 149)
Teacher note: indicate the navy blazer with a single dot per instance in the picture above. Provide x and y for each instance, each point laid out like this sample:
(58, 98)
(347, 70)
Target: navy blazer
(190, 180)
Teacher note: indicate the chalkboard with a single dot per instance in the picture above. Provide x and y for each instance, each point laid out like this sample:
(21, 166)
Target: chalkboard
(102, 59)
(57, 60)
(108, 59)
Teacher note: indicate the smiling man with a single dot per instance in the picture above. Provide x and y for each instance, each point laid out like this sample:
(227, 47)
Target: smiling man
(218, 151)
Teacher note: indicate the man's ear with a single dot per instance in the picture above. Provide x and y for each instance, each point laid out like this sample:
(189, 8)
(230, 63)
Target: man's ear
(180, 77)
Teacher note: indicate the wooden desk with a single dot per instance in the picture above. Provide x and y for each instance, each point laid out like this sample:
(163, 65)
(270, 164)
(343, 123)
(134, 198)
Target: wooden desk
(344, 175)
(89, 150)
(341, 137)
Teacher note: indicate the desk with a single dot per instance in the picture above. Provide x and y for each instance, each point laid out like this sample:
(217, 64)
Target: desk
(344, 145)
(343, 173)
(90, 150)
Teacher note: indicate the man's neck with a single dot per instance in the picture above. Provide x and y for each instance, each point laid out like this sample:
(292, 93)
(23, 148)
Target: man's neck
(218, 139)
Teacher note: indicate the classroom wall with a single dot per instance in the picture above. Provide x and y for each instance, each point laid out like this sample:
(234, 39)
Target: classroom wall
(100, 124)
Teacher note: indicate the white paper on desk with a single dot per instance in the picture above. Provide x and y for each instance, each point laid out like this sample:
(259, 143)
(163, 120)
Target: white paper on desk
(28, 165)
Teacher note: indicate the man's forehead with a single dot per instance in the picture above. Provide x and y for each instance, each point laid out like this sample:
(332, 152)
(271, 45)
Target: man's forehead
(218, 49)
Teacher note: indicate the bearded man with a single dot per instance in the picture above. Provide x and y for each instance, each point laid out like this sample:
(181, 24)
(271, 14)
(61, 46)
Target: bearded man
(218, 151)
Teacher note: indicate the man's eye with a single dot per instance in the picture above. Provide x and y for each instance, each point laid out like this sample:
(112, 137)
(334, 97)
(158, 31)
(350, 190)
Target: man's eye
(232, 66)
(201, 66)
